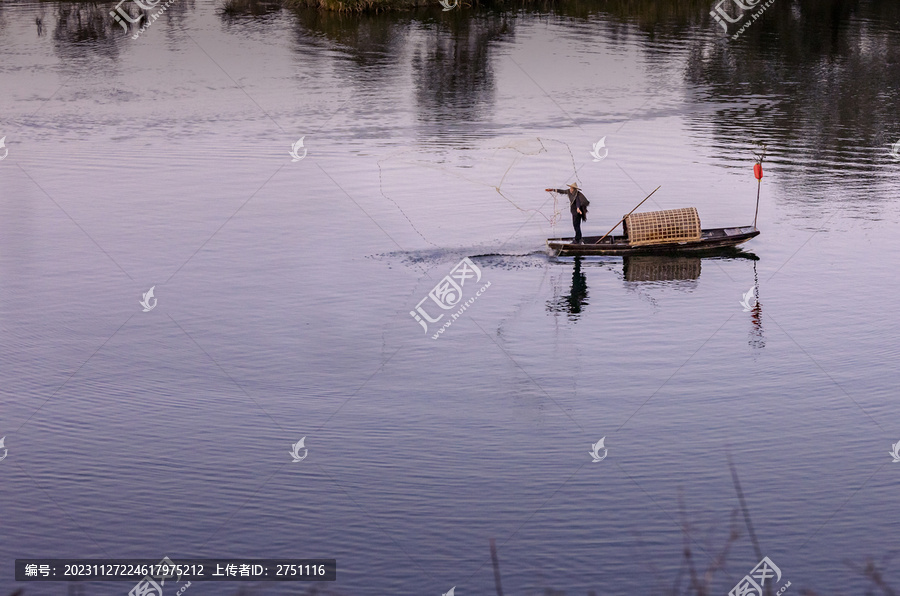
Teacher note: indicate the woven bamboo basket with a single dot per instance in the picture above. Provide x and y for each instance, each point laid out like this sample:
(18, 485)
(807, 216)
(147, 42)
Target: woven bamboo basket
(661, 227)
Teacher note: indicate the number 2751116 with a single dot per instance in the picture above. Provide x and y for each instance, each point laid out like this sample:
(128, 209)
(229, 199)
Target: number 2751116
(302, 570)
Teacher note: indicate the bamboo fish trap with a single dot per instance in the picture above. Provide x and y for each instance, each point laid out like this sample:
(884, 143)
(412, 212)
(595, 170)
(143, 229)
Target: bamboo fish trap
(661, 227)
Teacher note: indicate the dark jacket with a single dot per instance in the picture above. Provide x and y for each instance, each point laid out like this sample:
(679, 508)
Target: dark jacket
(577, 201)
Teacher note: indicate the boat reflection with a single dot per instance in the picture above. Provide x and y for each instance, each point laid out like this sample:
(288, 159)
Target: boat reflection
(660, 268)
(675, 271)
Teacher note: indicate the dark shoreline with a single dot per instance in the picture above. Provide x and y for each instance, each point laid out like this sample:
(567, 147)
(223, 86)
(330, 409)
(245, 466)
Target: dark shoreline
(648, 9)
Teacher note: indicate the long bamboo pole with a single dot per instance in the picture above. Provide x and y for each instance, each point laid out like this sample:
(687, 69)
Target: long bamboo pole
(627, 214)
(758, 185)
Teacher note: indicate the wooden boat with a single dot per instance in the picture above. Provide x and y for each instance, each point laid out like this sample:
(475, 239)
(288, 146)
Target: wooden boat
(712, 239)
(656, 232)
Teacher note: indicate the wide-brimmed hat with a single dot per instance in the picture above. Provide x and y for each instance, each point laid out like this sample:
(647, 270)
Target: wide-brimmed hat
(574, 185)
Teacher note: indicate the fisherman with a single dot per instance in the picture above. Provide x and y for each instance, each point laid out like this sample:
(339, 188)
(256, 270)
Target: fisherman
(578, 205)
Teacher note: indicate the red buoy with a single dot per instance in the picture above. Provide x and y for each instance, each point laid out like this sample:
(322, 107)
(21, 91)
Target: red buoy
(757, 171)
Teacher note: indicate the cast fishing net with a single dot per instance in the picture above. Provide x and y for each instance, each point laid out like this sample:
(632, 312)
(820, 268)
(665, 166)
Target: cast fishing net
(514, 170)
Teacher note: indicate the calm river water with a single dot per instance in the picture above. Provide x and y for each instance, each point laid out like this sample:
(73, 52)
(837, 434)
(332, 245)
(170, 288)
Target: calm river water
(283, 290)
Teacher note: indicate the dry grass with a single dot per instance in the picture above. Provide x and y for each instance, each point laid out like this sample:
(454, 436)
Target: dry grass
(690, 579)
(698, 581)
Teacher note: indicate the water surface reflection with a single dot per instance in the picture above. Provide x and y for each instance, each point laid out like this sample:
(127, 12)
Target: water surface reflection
(153, 145)
(577, 298)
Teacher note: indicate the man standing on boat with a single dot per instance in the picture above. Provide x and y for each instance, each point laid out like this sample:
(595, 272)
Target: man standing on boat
(578, 205)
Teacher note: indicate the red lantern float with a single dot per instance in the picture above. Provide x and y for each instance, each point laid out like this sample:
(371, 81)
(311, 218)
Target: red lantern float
(757, 171)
